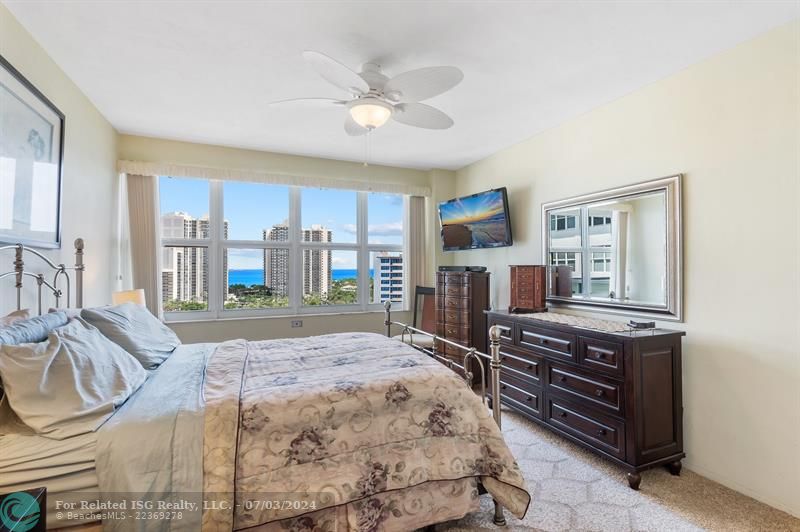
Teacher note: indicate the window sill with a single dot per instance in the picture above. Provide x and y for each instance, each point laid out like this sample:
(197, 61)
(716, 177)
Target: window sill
(277, 316)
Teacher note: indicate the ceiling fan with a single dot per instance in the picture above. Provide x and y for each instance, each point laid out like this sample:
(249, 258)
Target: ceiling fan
(377, 98)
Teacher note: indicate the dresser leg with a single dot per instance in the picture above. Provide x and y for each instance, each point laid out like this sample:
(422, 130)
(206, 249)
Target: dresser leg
(634, 479)
(675, 468)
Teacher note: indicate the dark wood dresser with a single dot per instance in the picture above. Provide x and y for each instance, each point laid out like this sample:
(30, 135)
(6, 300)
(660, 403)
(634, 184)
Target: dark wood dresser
(462, 299)
(528, 287)
(617, 394)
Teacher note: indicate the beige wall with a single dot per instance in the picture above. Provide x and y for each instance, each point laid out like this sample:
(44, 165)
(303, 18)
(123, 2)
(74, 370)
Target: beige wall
(89, 178)
(730, 124)
(442, 184)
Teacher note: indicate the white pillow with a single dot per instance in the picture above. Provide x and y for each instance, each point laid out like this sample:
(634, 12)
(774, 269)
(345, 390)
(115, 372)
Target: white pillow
(135, 330)
(70, 383)
(17, 315)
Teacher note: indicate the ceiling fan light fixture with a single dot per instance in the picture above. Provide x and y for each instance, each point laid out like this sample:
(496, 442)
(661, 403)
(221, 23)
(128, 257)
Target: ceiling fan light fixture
(370, 113)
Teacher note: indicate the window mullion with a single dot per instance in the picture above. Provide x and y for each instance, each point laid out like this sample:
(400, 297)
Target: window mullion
(586, 262)
(362, 255)
(295, 253)
(216, 273)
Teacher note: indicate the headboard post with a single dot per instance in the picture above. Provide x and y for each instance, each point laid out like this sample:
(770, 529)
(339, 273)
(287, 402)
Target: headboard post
(19, 268)
(79, 267)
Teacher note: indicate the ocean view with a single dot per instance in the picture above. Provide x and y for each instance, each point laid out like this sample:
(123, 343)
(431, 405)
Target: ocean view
(251, 277)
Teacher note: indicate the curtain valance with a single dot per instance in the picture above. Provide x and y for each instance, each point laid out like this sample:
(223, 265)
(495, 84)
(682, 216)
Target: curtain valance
(276, 178)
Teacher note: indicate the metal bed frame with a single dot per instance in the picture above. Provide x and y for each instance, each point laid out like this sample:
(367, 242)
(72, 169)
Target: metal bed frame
(61, 271)
(471, 354)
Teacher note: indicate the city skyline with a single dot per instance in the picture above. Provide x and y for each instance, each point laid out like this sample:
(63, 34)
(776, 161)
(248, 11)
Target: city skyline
(332, 208)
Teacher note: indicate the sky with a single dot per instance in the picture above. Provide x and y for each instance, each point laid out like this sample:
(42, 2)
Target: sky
(472, 208)
(251, 207)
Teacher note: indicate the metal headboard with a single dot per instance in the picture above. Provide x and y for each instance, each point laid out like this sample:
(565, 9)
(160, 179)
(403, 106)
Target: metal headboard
(59, 271)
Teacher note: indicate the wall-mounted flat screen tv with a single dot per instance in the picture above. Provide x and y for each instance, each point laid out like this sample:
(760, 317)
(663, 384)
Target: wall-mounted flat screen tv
(477, 221)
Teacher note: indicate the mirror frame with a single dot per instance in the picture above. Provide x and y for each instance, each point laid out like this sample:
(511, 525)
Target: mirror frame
(673, 309)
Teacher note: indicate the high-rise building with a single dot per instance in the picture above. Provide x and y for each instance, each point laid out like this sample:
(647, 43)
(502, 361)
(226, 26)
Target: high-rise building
(316, 263)
(184, 270)
(388, 277)
(276, 261)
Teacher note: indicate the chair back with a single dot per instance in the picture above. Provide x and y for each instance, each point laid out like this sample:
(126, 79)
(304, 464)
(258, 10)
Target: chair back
(425, 309)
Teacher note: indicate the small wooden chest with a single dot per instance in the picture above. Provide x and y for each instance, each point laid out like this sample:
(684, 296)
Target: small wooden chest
(528, 289)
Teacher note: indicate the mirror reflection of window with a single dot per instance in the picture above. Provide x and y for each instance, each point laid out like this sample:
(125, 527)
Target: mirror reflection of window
(615, 249)
(565, 229)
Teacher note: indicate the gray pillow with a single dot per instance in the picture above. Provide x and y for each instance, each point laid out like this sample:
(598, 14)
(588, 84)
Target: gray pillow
(32, 330)
(135, 330)
(70, 383)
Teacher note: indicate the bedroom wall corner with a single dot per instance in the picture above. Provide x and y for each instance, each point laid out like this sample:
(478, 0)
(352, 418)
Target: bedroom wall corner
(731, 125)
(89, 172)
(443, 188)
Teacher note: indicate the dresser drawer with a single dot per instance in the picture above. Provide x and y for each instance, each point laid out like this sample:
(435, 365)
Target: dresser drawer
(556, 344)
(454, 303)
(601, 355)
(598, 391)
(453, 316)
(453, 352)
(527, 365)
(454, 289)
(527, 400)
(455, 331)
(452, 278)
(598, 431)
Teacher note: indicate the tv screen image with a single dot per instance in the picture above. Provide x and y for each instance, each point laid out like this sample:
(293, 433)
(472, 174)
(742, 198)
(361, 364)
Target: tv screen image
(477, 221)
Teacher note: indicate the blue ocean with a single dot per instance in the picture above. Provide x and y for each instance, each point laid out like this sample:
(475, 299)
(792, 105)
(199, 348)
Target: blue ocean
(251, 277)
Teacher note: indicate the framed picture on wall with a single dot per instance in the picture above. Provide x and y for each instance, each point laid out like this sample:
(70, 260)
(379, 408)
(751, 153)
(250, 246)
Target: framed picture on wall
(31, 155)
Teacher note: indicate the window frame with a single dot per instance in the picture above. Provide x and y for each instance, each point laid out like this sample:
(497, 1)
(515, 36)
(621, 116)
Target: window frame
(216, 246)
(586, 251)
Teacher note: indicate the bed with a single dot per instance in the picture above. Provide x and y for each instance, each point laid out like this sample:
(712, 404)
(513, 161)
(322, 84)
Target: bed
(351, 431)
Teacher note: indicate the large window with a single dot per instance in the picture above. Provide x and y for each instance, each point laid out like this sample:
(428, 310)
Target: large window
(234, 248)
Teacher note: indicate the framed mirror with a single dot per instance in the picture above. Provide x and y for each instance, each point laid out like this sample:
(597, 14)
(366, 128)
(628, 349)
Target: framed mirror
(618, 250)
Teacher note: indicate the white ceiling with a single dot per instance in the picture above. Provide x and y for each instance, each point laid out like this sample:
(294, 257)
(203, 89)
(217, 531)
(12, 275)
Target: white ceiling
(204, 71)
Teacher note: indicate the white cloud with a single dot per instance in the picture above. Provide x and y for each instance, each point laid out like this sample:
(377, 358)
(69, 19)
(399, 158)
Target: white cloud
(388, 229)
(245, 259)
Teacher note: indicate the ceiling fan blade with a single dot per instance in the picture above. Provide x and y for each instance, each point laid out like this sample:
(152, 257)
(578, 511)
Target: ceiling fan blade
(421, 115)
(422, 84)
(352, 128)
(333, 101)
(336, 73)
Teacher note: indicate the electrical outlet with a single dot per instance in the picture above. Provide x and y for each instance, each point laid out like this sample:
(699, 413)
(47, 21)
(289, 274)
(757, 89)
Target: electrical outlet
(297, 323)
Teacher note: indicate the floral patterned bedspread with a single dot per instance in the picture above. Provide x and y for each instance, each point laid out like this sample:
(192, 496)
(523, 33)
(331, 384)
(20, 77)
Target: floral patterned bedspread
(351, 431)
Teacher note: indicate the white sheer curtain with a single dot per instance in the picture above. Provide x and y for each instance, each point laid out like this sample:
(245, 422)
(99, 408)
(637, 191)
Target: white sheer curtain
(414, 252)
(145, 243)
(619, 262)
(123, 276)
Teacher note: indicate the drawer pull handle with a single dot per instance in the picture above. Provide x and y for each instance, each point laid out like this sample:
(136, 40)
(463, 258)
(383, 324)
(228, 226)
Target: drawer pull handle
(544, 342)
(598, 354)
(562, 414)
(598, 392)
(601, 432)
(529, 398)
(503, 387)
(562, 378)
(530, 367)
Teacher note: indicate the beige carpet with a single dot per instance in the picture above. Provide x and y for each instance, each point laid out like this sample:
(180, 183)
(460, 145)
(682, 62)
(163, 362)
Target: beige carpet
(574, 490)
